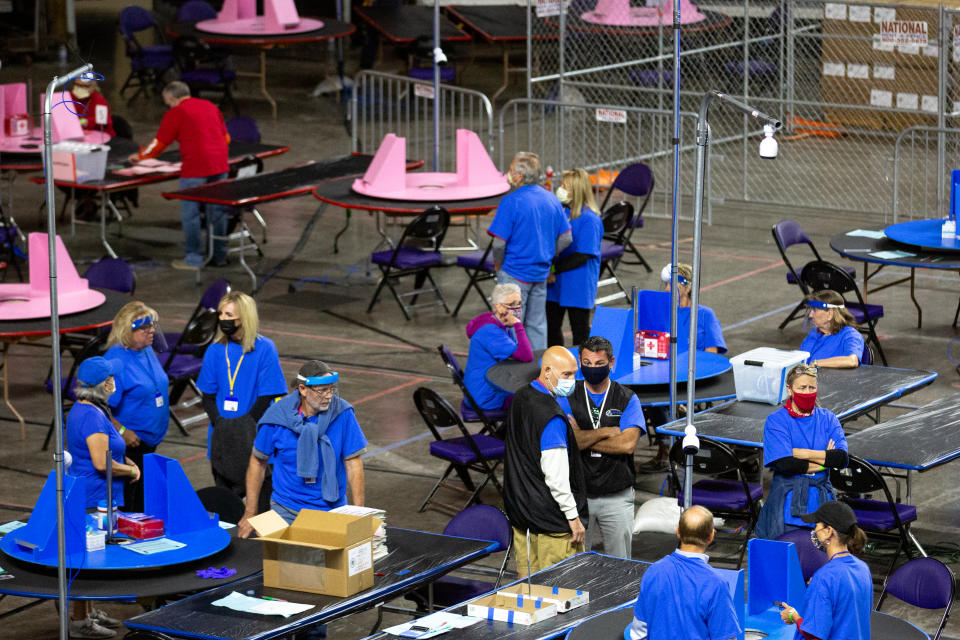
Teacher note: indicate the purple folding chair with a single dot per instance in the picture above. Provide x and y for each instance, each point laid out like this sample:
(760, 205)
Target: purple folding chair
(479, 267)
(405, 259)
(477, 522)
(184, 360)
(925, 583)
(811, 558)
(148, 63)
(726, 498)
(635, 180)
(493, 420)
(243, 129)
(204, 69)
(113, 274)
(478, 453)
(195, 11)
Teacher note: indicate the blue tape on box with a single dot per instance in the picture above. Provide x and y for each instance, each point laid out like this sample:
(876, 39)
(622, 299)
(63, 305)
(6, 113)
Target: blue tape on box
(510, 617)
(579, 592)
(556, 590)
(489, 613)
(537, 603)
(520, 600)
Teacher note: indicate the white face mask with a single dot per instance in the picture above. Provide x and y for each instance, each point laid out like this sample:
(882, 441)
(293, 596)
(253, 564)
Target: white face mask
(564, 387)
(81, 93)
(563, 195)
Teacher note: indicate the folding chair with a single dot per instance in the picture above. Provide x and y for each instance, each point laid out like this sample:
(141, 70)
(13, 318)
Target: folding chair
(183, 364)
(407, 259)
(222, 501)
(195, 11)
(113, 274)
(885, 518)
(210, 300)
(733, 499)
(493, 420)
(787, 233)
(811, 558)
(616, 220)
(635, 180)
(148, 64)
(204, 69)
(243, 129)
(95, 346)
(819, 275)
(479, 522)
(478, 453)
(925, 583)
(479, 267)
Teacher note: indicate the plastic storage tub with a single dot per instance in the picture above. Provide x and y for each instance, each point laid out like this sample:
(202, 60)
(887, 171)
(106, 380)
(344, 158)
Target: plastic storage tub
(760, 374)
(79, 161)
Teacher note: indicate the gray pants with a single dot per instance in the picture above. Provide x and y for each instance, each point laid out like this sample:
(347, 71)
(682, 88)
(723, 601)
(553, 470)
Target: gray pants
(611, 520)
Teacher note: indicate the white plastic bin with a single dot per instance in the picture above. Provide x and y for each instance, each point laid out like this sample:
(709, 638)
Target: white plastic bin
(761, 374)
(79, 161)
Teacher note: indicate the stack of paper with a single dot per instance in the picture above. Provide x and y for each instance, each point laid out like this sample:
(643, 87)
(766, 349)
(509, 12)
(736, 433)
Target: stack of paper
(380, 537)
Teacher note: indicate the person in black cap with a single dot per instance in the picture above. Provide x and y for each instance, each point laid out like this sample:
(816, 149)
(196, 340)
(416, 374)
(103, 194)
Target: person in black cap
(840, 596)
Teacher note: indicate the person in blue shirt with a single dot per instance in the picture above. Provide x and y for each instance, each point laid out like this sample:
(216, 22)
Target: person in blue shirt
(572, 286)
(839, 597)
(607, 420)
(141, 402)
(801, 443)
(90, 435)
(834, 342)
(239, 379)
(680, 595)
(312, 439)
(528, 230)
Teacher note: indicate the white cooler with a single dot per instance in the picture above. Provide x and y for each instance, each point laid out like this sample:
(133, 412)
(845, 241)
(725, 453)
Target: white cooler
(761, 374)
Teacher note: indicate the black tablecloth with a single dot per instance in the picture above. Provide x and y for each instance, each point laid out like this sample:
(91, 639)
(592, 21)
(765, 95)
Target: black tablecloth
(414, 557)
(501, 22)
(341, 194)
(860, 248)
(407, 23)
(331, 29)
(72, 322)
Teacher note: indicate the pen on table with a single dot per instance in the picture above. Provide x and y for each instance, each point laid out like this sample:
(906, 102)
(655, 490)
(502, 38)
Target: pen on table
(857, 250)
(936, 259)
(274, 599)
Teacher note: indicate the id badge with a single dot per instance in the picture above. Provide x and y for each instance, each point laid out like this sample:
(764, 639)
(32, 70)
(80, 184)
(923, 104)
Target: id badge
(231, 404)
(596, 454)
(158, 399)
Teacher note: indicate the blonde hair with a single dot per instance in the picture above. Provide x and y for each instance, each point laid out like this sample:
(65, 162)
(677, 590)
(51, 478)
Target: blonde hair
(840, 318)
(577, 183)
(246, 309)
(122, 331)
(801, 370)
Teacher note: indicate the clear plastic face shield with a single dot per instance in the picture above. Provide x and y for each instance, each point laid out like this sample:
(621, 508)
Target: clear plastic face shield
(817, 308)
(146, 332)
(321, 390)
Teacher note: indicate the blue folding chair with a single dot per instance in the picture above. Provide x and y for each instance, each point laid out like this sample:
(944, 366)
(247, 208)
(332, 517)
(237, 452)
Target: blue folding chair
(195, 11)
(925, 583)
(148, 63)
(493, 420)
(113, 274)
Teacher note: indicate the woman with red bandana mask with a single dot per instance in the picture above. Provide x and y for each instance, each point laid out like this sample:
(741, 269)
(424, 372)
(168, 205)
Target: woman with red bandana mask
(801, 443)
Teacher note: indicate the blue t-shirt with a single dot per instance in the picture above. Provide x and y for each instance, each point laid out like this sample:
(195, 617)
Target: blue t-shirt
(279, 444)
(258, 375)
(488, 346)
(529, 220)
(838, 601)
(653, 311)
(631, 417)
(846, 342)
(83, 421)
(682, 597)
(578, 287)
(782, 433)
(134, 402)
(554, 434)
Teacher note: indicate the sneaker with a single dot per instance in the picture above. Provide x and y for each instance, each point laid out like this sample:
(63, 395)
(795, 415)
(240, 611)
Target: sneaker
(182, 265)
(101, 618)
(88, 628)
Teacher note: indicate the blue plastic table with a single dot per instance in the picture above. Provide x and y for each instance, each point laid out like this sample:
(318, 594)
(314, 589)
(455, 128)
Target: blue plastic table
(922, 234)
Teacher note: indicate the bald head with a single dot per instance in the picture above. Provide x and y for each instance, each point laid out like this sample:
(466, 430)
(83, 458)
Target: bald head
(557, 364)
(695, 529)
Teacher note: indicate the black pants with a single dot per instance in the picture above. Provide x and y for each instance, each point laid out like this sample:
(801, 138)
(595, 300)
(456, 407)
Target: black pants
(579, 324)
(240, 489)
(133, 491)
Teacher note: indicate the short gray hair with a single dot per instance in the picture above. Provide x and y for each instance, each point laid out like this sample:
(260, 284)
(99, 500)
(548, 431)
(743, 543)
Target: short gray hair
(96, 393)
(501, 291)
(527, 164)
(177, 89)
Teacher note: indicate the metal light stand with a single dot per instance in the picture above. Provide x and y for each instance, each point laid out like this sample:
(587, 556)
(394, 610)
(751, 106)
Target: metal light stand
(56, 83)
(691, 444)
(438, 59)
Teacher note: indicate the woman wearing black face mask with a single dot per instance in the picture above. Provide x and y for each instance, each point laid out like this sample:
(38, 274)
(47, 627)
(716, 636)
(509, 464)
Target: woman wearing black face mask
(801, 443)
(240, 377)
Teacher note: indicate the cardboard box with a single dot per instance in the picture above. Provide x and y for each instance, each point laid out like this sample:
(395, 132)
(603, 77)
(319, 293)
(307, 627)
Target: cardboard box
(321, 552)
(515, 609)
(563, 599)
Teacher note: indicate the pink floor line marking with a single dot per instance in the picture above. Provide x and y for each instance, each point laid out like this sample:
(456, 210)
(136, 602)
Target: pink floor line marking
(298, 363)
(773, 265)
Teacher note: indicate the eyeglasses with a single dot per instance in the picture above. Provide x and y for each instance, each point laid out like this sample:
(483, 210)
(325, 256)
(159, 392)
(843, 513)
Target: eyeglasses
(147, 327)
(323, 391)
(513, 307)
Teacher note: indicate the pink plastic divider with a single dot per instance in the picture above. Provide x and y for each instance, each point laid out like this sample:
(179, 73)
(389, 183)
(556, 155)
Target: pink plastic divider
(239, 17)
(29, 300)
(619, 13)
(66, 124)
(476, 175)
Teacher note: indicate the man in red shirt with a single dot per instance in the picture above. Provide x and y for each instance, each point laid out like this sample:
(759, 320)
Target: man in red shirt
(95, 113)
(198, 126)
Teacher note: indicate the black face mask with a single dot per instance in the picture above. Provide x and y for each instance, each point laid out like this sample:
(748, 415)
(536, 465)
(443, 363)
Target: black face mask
(595, 375)
(229, 327)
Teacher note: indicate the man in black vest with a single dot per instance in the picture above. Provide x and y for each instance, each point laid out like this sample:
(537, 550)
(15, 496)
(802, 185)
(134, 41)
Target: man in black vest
(543, 486)
(607, 421)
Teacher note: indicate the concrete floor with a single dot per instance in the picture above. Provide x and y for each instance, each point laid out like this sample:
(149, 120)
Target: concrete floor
(383, 358)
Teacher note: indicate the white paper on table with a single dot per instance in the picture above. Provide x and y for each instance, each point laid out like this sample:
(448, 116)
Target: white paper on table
(884, 72)
(859, 71)
(880, 98)
(226, 525)
(438, 623)
(834, 11)
(866, 233)
(13, 525)
(929, 104)
(833, 69)
(884, 14)
(908, 101)
(156, 545)
(859, 13)
(892, 255)
(240, 602)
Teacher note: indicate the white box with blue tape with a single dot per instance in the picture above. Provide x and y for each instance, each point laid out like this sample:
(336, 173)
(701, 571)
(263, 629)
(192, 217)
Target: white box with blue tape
(564, 599)
(527, 604)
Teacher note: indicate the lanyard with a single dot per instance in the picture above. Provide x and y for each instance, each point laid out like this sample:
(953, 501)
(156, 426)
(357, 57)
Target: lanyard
(838, 554)
(586, 400)
(232, 378)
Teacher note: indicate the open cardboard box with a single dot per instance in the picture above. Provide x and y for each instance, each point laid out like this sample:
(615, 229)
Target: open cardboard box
(564, 599)
(515, 609)
(321, 552)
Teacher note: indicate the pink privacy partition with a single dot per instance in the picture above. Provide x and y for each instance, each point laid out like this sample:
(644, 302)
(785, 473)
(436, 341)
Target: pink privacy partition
(29, 300)
(619, 13)
(476, 175)
(239, 17)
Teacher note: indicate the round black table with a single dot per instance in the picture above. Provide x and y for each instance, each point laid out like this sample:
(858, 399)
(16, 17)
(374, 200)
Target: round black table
(339, 192)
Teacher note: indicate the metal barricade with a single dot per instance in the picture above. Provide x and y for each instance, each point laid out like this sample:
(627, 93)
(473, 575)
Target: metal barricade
(922, 160)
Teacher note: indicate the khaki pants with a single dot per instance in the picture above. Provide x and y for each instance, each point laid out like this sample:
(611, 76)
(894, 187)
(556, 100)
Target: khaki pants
(545, 549)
